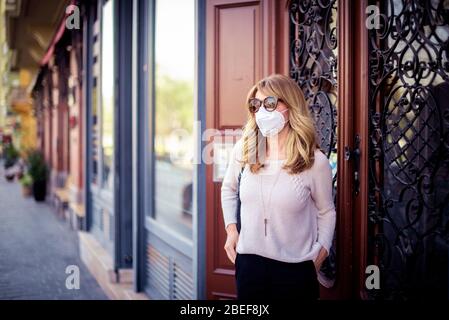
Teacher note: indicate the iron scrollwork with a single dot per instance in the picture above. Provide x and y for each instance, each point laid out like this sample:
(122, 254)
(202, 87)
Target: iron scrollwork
(409, 146)
(313, 65)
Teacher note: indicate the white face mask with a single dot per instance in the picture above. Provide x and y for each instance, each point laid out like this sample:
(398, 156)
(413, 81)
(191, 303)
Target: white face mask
(270, 123)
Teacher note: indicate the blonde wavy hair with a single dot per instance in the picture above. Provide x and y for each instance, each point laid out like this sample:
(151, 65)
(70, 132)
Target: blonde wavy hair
(301, 140)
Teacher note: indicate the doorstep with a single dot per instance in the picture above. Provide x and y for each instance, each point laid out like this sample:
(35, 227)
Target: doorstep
(99, 263)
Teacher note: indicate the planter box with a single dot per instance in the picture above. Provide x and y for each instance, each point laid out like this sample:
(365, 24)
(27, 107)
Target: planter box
(39, 190)
(26, 191)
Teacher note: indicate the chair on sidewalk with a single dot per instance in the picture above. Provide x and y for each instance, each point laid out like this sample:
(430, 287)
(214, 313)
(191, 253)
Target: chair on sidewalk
(77, 213)
(61, 198)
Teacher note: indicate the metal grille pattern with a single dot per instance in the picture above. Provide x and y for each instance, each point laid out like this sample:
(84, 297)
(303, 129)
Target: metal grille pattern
(313, 65)
(409, 148)
(166, 279)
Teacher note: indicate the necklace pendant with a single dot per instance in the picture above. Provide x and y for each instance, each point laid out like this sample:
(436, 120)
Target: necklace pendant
(265, 221)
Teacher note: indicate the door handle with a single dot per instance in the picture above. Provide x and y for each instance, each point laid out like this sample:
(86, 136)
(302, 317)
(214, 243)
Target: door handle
(354, 155)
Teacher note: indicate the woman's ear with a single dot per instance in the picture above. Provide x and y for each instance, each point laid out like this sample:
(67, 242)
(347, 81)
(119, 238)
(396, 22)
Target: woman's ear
(286, 114)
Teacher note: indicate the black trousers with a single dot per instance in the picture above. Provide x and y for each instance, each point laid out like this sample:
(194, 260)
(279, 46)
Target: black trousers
(260, 278)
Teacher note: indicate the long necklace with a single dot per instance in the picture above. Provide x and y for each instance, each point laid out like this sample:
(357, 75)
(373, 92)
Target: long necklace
(265, 220)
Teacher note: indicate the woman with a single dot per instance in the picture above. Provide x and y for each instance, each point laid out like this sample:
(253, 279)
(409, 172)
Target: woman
(287, 209)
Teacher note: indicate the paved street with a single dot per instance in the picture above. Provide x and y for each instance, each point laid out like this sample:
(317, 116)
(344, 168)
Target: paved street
(35, 249)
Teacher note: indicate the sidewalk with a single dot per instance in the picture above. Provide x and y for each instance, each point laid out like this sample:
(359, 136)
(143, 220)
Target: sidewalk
(35, 250)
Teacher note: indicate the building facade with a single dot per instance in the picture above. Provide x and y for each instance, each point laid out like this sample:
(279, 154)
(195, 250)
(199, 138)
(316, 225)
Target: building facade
(131, 104)
(4, 64)
(26, 27)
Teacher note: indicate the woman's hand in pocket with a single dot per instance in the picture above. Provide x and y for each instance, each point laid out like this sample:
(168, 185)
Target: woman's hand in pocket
(231, 241)
(322, 255)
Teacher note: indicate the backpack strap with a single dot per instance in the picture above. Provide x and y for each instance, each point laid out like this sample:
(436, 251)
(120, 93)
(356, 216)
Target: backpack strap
(238, 199)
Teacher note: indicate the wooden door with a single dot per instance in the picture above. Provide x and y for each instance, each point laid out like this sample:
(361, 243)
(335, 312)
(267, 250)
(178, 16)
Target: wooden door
(380, 118)
(246, 40)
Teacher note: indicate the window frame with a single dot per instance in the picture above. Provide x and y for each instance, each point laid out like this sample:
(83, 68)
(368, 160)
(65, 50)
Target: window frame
(99, 187)
(160, 229)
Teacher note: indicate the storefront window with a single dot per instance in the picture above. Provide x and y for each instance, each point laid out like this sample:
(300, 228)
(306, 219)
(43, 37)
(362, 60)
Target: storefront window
(107, 95)
(174, 114)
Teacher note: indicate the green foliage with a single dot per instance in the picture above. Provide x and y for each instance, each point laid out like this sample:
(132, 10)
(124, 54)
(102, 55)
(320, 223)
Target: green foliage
(11, 156)
(37, 168)
(174, 106)
(26, 180)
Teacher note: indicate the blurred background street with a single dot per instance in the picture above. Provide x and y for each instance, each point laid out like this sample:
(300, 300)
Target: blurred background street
(118, 118)
(36, 247)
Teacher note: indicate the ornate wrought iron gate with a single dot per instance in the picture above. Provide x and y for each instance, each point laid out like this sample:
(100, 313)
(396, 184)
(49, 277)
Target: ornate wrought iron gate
(409, 147)
(408, 132)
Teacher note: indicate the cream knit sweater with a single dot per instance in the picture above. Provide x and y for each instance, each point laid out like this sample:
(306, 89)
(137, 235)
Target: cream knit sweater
(299, 209)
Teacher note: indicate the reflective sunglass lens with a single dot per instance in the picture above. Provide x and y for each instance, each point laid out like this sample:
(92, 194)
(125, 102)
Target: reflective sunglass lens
(270, 103)
(254, 105)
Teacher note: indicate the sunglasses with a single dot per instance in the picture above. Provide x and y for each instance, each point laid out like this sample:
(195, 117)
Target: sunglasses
(270, 104)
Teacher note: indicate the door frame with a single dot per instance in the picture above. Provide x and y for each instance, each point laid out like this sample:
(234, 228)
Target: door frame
(351, 207)
(200, 253)
(345, 196)
(141, 56)
(361, 125)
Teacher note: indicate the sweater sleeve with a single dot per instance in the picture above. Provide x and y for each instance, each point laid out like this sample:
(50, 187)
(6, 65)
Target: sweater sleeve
(321, 192)
(229, 185)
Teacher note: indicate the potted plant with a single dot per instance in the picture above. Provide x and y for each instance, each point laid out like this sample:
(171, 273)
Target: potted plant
(27, 182)
(11, 156)
(38, 170)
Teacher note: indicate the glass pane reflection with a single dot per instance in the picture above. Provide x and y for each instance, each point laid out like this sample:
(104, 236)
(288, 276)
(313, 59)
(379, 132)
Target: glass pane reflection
(107, 94)
(174, 99)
